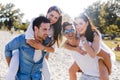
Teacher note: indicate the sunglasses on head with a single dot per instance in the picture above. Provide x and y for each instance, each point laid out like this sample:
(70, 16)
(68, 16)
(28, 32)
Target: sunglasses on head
(68, 31)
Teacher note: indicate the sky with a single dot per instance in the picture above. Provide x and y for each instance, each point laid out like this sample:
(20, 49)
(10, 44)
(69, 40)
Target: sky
(32, 8)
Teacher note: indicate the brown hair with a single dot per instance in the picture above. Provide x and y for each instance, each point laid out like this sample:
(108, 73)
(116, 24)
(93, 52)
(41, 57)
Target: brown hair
(57, 26)
(89, 34)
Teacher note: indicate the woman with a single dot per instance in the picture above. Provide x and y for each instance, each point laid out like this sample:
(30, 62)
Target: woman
(90, 34)
(54, 15)
(85, 58)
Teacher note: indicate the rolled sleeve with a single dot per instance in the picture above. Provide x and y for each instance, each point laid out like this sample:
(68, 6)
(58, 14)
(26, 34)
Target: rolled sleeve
(8, 53)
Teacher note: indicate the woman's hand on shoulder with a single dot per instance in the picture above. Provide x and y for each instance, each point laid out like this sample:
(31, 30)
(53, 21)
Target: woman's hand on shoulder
(79, 50)
(35, 44)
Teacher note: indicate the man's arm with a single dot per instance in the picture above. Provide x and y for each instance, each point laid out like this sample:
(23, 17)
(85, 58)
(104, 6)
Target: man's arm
(12, 45)
(8, 59)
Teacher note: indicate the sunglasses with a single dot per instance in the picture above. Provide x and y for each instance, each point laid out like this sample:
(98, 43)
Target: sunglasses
(68, 31)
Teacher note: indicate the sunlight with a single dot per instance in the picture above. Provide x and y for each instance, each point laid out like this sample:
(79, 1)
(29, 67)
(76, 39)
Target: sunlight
(32, 8)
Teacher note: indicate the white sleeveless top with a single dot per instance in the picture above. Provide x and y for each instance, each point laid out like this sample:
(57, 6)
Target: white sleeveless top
(87, 64)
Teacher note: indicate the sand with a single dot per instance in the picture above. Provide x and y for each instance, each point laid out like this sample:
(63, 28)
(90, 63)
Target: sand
(59, 62)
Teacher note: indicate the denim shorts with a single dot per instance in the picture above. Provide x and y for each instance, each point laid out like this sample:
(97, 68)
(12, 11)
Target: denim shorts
(89, 77)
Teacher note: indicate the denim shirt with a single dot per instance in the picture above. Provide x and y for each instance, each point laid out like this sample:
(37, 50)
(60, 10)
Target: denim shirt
(28, 69)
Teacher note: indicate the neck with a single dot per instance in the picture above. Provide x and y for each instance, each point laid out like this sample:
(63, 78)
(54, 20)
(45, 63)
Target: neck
(74, 42)
(73, 39)
(38, 39)
(82, 34)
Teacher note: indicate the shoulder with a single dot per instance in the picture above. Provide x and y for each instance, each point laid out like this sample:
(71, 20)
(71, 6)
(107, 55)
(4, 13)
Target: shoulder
(21, 38)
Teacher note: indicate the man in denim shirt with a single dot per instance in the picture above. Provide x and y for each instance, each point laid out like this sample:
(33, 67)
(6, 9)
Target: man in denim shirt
(28, 68)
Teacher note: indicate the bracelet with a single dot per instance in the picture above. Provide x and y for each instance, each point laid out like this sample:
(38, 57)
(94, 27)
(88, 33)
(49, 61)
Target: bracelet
(83, 41)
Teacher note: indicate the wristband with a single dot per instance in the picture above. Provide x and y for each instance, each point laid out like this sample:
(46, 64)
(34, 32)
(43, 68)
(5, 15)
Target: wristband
(83, 41)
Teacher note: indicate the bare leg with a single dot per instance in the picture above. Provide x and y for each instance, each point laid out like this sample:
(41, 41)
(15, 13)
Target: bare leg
(73, 70)
(106, 60)
(104, 75)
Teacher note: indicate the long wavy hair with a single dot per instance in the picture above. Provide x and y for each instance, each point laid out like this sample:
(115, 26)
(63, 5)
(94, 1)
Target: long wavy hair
(89, 33)
(57, 26)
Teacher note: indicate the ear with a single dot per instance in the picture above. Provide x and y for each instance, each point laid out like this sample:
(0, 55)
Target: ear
(35, 29)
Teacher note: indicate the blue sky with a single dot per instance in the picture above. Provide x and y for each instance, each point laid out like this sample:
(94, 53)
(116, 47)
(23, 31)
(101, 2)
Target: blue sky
(32, 8)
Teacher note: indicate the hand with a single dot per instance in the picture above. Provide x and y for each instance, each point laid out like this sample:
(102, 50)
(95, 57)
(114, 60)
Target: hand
(36, 44)
(79, 50)
(83, 38)
(96, 37)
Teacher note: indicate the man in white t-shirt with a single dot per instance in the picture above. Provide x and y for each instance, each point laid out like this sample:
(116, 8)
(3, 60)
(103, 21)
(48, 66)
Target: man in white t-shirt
(87, 65)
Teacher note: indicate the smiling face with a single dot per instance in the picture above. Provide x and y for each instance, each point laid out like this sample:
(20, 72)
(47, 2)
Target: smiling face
(69, 32)
(81, 25)
(53, 16)
(42, 32)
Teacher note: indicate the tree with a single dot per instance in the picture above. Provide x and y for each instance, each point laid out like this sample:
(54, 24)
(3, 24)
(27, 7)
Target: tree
(93, 11)
(21, 26)
(110, 13)
(11, 15)
(105, 16)
(1, 15)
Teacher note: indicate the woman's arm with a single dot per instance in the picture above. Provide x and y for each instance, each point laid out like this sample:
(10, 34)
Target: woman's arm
(94, 48)
(39, 46)
(67, 46)
(74, 48)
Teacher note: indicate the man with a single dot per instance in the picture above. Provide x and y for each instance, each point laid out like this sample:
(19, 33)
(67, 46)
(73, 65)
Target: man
(29, 64)
(91, 68)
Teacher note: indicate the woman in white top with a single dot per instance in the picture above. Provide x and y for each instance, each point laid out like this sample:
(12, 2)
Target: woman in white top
(85, 62)
(54, 15)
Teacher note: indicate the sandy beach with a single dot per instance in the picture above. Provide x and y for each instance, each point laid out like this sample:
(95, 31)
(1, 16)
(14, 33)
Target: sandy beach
(59, 62)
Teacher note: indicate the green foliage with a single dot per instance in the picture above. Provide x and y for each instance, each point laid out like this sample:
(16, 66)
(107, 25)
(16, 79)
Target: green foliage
(118, 22)
(105, 16)
(93, 12)
(112, 29)
(9, 15)
(21, 26)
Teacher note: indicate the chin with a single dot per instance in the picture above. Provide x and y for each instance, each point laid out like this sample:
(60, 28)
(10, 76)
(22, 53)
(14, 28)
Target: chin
(44, 38)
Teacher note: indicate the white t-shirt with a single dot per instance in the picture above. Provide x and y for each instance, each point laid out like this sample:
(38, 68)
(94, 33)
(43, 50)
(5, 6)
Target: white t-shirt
(87, 64)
